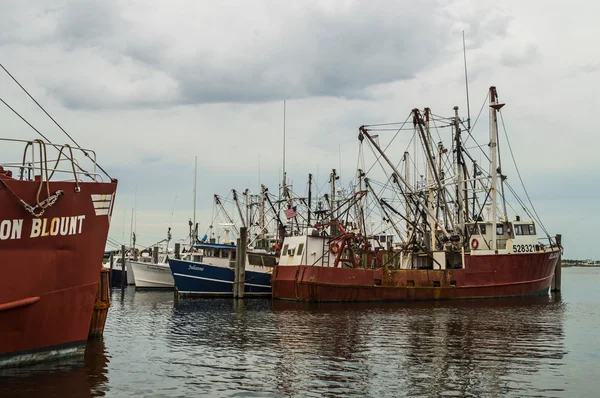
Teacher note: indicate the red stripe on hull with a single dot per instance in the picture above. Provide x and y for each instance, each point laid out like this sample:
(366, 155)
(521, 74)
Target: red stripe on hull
(483, 277)
(59, 267)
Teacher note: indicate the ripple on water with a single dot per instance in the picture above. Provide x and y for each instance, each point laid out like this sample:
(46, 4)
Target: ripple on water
(512, 347)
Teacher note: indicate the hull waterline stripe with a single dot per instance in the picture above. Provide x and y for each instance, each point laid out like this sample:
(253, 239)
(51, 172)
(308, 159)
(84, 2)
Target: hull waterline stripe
(219, 280)
(302, 282)
(222, 293)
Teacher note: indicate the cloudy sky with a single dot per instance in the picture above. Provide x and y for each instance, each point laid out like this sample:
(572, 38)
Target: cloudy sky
(151, 84)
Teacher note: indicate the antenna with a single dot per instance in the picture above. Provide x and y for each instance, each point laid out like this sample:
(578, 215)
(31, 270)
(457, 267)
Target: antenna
(466, 83)
(195, 180)
(135, 211)
(340, 155)
(283, 184)
(173, 212)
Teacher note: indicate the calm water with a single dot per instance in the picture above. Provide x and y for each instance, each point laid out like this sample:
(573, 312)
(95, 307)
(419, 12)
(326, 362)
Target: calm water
(527, 347)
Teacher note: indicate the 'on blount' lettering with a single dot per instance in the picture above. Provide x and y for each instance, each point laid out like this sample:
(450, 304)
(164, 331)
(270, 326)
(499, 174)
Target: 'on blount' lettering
(40, 227)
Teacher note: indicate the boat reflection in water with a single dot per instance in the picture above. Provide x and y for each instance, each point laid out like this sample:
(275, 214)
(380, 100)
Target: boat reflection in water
(423, 349)
(71, 377)
(488, 347)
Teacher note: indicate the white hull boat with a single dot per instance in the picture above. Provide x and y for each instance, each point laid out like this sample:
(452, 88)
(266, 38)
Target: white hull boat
(152, 275)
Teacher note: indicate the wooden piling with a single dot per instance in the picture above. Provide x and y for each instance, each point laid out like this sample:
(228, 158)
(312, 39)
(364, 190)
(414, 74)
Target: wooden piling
(239, 272)
(112, 261)
(101, 305)
(236, 272)
(556, 279)
(123, 277)
(155, 255)
(177, 250)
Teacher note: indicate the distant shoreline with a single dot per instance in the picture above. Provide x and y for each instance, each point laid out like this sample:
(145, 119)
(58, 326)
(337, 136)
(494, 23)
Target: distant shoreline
(580, 265)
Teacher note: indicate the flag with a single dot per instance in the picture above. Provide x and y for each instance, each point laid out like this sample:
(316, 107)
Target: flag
(290, 212)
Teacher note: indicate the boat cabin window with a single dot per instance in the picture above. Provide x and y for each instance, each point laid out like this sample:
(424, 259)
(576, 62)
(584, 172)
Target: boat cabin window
(291, 251)
(225, 253)
(525, 229)
(197, 258)
(285, 249)
(518, 229)
(300, 248)
(499, 229)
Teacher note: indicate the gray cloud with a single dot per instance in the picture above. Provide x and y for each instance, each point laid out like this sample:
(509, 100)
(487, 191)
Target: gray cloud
(522, 55)
(310, 50)
(150, 85)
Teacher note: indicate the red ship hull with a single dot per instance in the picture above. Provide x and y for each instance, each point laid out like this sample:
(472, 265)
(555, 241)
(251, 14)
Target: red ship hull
(484, 276)
(50, 266)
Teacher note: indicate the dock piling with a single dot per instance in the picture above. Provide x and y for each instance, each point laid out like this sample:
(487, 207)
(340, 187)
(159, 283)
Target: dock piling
(556, 279)
(155, 255)
(240, 264)
(123, 278)
(112, 261)
(177, 250)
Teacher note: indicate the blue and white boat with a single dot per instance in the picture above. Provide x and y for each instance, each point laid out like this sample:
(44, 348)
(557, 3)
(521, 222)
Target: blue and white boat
(210, 271)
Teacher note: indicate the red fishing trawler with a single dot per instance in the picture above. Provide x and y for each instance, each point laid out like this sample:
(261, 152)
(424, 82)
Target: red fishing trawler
(55, 211)
(457, 240)
(52, 239)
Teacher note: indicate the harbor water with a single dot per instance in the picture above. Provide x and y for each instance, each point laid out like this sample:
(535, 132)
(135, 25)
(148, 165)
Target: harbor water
(152, 347)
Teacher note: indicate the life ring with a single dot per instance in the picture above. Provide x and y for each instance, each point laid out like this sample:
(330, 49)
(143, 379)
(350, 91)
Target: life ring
(334, 248)
(474, 244)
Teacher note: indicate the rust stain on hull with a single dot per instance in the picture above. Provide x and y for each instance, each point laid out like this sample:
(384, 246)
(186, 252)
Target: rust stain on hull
(483, 277)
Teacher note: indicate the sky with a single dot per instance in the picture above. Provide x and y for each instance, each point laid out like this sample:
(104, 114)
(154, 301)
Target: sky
(150, 85)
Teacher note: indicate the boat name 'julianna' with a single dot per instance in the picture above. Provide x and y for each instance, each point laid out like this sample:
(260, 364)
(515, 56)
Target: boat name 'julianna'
(40, 227)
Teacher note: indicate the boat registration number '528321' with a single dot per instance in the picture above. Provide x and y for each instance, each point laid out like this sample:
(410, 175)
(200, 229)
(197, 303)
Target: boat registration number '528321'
(523, 248)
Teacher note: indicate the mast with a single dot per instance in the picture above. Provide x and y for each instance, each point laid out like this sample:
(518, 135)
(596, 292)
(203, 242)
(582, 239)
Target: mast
(494, 106)
(466, 83)
(409, 190)
(408, 209)
(131, 239)
(283, 183)
(261, 214)
(381, 203)
(218, 202)
(248, 197)
(459, 174)
(195, 180)
(430, 182)
(237, 204)
(309, 198)
(332, 178)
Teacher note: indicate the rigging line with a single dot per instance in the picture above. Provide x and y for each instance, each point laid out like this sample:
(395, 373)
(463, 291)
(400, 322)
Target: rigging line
(392, 140)
(383, 124)
(528, 212)
(520, 201)
(173, 212)
(85, 172)
(55, 122)
(485, 100)
(25, 120)
(478, 146)
(435, 127)
(520, 178)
